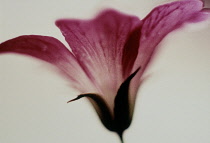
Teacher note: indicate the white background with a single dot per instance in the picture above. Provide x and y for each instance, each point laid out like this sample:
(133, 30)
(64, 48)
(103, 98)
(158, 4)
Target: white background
(173, 105)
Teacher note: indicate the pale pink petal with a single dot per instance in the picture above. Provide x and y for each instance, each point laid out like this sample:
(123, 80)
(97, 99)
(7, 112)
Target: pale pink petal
(98, 45)
(161, 21)
(52, 51)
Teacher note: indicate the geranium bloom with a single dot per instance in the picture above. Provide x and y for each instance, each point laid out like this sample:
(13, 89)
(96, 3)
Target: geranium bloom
(108, 54)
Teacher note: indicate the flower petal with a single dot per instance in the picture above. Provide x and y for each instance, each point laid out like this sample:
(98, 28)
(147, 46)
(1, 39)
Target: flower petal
(52, 51)
(161, 21)
(98, 46)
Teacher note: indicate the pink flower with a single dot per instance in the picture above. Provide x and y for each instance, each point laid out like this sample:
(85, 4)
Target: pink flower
(108, 54)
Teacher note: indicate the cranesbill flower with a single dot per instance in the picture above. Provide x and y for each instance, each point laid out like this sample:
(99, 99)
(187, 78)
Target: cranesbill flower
(109, 54)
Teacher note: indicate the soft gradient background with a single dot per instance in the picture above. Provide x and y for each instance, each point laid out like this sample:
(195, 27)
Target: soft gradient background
(173, 105)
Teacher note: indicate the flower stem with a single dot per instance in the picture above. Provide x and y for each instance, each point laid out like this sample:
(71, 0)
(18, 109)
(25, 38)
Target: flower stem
(121, 137)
